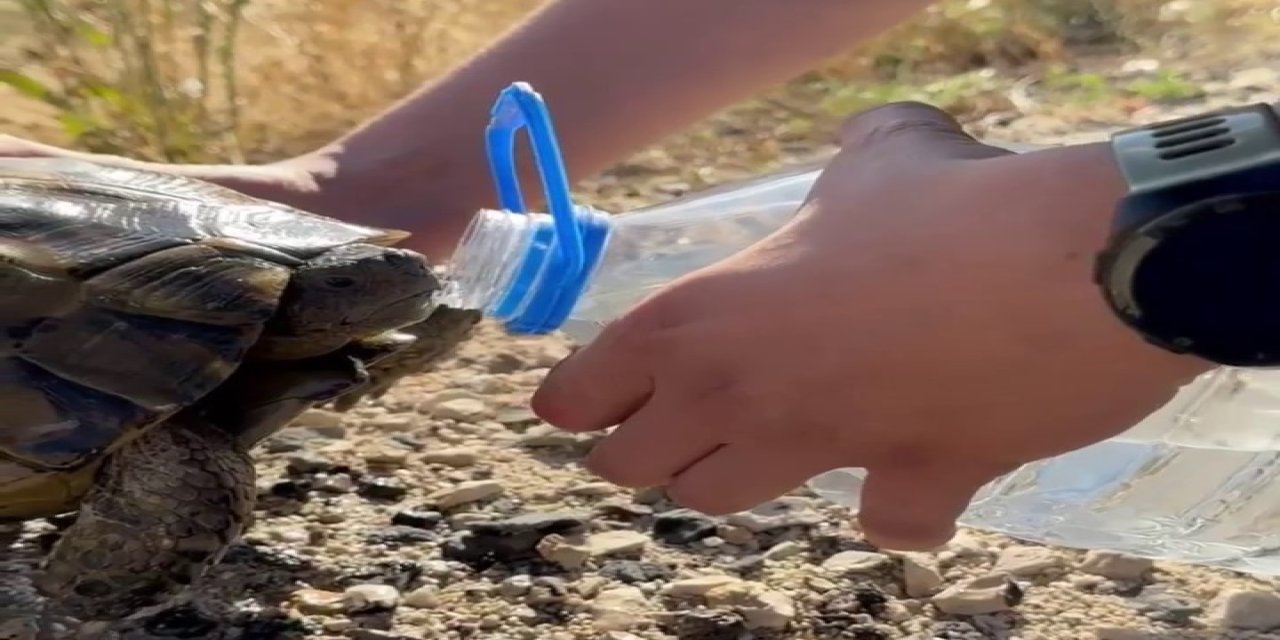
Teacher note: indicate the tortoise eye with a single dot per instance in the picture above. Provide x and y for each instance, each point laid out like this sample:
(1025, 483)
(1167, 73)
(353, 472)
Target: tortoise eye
(339, 282)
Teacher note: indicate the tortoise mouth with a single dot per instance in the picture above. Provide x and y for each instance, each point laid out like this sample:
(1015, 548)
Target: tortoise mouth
(395, 314)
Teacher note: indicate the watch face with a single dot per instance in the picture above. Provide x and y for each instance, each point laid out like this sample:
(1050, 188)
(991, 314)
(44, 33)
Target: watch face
(1210, 283)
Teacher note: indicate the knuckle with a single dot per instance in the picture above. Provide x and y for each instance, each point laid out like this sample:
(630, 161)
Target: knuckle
(725, 398)
(719, 387)
(681, 303)
(659, 313)
(891, 120)
(636, 331)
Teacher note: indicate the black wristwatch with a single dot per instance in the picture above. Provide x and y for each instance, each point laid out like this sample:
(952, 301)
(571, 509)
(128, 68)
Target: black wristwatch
(1193, 260)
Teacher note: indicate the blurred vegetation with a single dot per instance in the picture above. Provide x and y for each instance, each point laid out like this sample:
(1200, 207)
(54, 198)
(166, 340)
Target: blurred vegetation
(236, 80)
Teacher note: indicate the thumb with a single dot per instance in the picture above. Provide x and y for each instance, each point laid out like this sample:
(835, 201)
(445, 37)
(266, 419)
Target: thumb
(916, 129)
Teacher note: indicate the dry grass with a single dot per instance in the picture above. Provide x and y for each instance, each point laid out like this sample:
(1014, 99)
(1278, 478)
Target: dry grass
(230, 79)
(256, 79)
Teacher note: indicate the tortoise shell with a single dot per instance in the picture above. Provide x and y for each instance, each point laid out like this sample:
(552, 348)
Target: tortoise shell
(127, 295)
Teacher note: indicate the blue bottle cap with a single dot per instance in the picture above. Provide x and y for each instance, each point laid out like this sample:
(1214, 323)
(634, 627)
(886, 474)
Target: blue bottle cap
(567, 245)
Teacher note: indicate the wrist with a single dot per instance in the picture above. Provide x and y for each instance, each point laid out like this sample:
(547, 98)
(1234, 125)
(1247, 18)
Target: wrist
(1080, 187)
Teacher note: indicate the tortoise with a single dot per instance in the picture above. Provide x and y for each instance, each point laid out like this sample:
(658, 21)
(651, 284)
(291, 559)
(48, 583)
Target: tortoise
(153, 329)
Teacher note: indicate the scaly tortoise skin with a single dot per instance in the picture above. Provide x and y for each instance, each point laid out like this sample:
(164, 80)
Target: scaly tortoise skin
(153, 329)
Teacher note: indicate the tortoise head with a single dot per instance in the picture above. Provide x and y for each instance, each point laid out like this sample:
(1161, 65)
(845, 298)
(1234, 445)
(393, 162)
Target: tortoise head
(350, 292)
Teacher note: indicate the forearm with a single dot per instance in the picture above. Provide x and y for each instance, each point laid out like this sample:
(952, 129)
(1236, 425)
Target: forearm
(617, 75)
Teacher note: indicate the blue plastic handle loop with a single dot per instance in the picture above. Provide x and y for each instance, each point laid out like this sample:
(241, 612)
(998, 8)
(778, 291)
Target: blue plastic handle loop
(520, 107)
(555, 269)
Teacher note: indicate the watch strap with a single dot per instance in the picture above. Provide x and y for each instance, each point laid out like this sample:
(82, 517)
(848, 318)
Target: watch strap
(1201, 147)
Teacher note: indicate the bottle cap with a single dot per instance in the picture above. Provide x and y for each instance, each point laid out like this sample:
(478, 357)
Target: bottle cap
(567, 244)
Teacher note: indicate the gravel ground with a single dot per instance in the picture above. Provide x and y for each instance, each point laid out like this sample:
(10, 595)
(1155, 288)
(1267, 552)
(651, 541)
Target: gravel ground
(446, 510)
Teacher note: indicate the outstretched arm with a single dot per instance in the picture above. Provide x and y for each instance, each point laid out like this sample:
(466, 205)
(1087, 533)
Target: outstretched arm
(618, 75)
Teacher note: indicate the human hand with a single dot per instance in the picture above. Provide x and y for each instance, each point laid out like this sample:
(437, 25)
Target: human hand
(928, 315)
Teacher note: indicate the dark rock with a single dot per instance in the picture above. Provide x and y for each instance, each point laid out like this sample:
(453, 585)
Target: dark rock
(1015, 593)
(622, 510)
(869, 632)
(1160, 605)
(287, 441)
(307, 463)
(871, 599)
(290, 490)
(683, 526)
(547, 592)
(502, 506)
(863, 598)
(244, 554)
(272, 629)
(843, 630)
(707, 625)
(542, 524)
(505, 363)
(1122, 588)
(839, 623)
(747, 565)
(994, 625)
(180, 622)
(401, 574)
(397, 536)
(509, 540)
(633, 571)
(45, 541)
(957, 630)
(409, 441)
(383, 488)
(417, 519)
(63, 521)
(477, 552)
(480, 551)
(828, 543)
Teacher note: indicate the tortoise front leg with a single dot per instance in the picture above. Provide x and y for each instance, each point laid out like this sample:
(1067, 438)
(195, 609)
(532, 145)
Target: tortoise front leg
(164, 509)
(168, 505)
(265, 396)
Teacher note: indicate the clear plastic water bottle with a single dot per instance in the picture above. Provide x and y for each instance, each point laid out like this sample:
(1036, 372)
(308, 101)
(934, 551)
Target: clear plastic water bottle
(1197, 481)
(575, 268)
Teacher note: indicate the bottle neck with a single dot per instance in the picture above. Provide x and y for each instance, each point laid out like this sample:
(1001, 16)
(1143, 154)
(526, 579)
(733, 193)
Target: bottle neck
(485, 262)
(513, 268)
